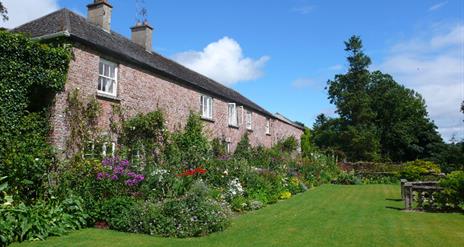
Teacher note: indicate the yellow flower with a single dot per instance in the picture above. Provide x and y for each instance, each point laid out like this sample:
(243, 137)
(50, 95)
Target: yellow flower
(285, 195)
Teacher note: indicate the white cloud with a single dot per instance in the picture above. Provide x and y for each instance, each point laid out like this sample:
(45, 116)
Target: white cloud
(302, 83)
(336, 67)
(304, 10)
(22, 11)
(434, 67)
(437, 6)
(223, 61)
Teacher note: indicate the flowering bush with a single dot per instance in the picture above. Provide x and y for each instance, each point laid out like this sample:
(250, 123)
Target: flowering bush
(195, 214)
(234, 188)
(192, 172)
(285, 195)
(117, 177)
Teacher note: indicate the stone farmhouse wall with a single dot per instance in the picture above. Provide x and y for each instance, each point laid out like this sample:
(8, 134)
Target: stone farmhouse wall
(141, 91)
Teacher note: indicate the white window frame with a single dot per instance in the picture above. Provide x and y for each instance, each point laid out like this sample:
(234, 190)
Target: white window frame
(249, 120)
(232, 114)
(268, 126)
(241, 118)
(206, 107)
(113, 79)
(105, 149)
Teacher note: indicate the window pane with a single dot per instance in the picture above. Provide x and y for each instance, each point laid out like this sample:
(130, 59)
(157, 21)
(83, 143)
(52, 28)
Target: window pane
(112, 69)
(100, 83)
(210, 107)
(203, 110)
(100, 68)
(110, 86)
(107, 70)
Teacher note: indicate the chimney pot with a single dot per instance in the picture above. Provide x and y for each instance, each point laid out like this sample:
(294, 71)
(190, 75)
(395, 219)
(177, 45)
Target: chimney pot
(142, 34)
(99, 13)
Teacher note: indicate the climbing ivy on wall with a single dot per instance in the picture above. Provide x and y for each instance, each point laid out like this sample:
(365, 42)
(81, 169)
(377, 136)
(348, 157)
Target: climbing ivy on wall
(31, 73)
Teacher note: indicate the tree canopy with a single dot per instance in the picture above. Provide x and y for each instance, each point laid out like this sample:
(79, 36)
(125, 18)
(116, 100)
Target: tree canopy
(379, 119)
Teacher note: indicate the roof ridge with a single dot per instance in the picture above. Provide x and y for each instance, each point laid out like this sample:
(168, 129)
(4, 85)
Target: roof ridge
(125, 49)
(41, 18)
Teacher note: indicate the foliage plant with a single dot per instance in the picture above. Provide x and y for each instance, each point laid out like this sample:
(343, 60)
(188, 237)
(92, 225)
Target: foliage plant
(144, 137)
(32, 72)
(36, 222)
(83, 131)
(453, 192)
(415, 170)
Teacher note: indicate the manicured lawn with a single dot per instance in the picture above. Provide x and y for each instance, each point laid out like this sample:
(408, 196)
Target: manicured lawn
(331, 215)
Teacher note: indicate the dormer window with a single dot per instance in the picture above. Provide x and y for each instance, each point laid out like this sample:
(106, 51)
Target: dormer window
(108, 78)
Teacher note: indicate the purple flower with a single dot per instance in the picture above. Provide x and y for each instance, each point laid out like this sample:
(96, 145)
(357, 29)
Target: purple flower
(101, 175)
(124, 163)
(114, 177)
(106, 161)
(118, 170)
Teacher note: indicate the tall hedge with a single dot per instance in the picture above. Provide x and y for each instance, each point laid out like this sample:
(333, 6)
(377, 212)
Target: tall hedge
(31, 73)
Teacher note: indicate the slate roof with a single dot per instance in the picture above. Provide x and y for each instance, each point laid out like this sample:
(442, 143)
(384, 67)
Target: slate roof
(82, 31)
(288, 121)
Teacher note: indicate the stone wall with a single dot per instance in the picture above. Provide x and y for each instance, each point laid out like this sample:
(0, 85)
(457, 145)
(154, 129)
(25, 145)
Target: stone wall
(142, 92)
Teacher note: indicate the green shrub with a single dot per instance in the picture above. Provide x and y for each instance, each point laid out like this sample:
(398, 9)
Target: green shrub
(116, 211)
(31, 73)
(41, 220)
(347, 178)
(5, 199)
(144, 136)
(238, 203)
(243, 149)
(415, 170)
(196, 214)
(453, 189)
(287, 145)
(218, 147)
(194, 146)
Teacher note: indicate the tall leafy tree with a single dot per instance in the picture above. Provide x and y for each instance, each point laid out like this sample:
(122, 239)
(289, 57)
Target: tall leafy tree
(349, 93)
(378, 118)
(402, 121)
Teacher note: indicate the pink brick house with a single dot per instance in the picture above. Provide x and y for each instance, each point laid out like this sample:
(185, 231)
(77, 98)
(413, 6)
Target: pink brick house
(126, 72)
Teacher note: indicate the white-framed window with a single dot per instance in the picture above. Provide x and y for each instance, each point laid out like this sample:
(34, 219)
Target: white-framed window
(241, 116)
(206, 105)
(233, 117)
(112, 149)
(268, 126)
(248, 119)
(108, 77)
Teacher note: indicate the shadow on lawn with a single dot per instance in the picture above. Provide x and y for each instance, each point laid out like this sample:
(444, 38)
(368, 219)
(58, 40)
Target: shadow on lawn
(395, 208)
(394, 199)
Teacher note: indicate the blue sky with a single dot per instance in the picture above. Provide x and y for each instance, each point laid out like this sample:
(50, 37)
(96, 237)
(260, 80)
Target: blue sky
(280, 54)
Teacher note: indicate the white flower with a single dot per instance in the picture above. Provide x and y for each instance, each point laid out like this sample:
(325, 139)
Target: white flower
(226, 172)
(36, 159)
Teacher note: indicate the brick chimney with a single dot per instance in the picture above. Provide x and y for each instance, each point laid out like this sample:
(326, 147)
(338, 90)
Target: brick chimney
(99, 13)
(142, 34)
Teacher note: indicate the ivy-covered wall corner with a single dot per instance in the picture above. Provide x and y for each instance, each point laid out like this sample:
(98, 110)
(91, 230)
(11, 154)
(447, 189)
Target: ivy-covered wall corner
(31, 74)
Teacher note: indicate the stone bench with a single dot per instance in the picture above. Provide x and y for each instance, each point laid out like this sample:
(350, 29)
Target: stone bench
(424, 191)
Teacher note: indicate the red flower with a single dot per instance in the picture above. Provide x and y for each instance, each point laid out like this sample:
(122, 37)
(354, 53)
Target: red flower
(192, 172)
